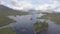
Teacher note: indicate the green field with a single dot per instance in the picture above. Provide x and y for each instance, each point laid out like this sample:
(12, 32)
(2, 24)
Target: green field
(5, 20)
(6, 31)
(53, 17)
(12, 12)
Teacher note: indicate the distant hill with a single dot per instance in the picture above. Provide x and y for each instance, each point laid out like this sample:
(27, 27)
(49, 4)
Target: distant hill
(8, 11)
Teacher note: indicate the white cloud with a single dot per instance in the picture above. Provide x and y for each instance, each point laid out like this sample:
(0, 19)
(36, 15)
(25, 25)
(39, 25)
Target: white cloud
(54, 6)
(26, 4)
(20, 5)
(42, 7)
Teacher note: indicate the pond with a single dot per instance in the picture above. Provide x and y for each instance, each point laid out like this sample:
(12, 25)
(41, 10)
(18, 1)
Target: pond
(24, 24)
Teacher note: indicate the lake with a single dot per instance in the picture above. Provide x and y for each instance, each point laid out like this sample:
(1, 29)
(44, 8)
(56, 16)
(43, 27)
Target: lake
(24, 24)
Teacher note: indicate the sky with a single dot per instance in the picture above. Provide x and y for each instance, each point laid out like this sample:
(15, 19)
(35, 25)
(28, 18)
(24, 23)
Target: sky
(44, 5)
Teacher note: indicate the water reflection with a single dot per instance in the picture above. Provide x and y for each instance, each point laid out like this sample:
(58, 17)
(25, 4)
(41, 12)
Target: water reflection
(24, 25)
(39, 27)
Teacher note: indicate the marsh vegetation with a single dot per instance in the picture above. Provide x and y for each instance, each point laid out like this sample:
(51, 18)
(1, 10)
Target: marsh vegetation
(55, 17)
(39, 26)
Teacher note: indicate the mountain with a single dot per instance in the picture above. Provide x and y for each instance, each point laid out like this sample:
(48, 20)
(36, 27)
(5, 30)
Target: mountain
(8, 11)
(5, 8)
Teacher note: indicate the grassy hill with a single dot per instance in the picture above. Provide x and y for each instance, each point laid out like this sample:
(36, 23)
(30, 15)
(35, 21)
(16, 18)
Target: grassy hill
(8, 11)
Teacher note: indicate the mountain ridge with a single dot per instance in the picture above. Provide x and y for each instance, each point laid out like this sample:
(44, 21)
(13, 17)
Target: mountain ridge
(8, 11)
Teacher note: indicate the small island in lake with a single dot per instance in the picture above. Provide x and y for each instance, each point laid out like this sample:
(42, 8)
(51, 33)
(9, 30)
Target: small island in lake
(39, 26)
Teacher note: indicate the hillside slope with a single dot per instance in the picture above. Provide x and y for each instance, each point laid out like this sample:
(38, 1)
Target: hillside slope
(8, 11)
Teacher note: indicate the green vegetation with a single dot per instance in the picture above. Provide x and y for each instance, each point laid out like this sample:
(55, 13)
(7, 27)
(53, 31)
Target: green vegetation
(6, 31)
(53, 16)
(56, 19)
(5, 11)
(45, 17)
(5, 20)
(39, 26)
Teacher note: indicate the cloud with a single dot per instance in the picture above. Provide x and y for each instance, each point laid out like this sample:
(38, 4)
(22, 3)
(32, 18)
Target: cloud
(42, 7)
(20, 5)
(35, 4)
(55, 6)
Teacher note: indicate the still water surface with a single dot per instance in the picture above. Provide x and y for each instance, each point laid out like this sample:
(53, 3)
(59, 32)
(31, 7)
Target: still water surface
(26, 22)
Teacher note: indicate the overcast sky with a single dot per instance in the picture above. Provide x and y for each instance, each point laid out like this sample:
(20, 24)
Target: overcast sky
(32, 4)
